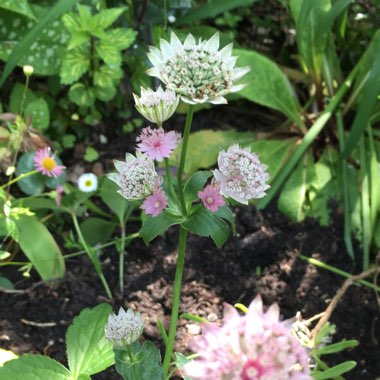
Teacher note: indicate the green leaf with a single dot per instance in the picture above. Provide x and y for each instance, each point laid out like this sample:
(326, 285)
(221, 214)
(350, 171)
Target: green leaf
(205, 223)
(105, 76)
(225, 213)
(333, 372)
(17, 95)
(105, 93)
(20, 6)
(82, 95)
(152, 227)
(267, 85)
(195, 184)
(79, 38)
(147, 368)
(108, 53)
(75, 63)
(91, 154)
(5, 283)
(204, 147)
(97, 230)
(120, 38)
(107, 17)
(34, 184)
(34, 367)
(41, 44)
(88, 351)
(180, 361)
(40, 247)
(38, 110)
(336, 347)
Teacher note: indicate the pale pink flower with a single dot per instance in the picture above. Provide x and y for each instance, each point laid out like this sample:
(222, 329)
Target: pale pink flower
(255, 346)
(58, 198)
(45, 162)
(155, 203)
(158, 144)
(211, 197)
(241, 174)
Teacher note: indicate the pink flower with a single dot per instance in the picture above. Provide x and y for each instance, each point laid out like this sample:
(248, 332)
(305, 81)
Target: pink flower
(158, 144)
(211, 197)
(155, 203)
(44, 162)
(255, 346)
(58, 198)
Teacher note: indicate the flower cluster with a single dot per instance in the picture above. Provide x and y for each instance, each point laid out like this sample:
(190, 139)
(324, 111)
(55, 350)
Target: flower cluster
(156, 106)
(256, 346)
(46, 163)
(124, 328)
(158, 144)
(136, 177)
(241, 175)
(199, 72)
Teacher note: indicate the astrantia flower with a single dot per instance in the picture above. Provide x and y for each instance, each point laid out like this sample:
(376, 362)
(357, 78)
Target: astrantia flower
(158, 144)
(45, 162)
(156, 106)
(256, 346)
(241, 175)
(211, 197)
(136, 177)
(124, 328)
(155, 203)
(199, 72)
(88, 182)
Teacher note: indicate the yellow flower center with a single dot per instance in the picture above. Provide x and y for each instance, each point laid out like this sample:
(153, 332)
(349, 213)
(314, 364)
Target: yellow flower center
(48, 163)
(88, 183)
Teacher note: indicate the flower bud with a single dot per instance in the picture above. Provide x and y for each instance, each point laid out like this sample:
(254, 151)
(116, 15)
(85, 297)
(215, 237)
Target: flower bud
(28, 70)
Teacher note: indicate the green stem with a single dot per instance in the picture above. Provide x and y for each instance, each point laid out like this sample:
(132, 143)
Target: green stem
(176, 298)
(169, 181)
(121, 258)
(132, 361)
(94, 259)
(24, 95)
(21, 176)
(185, 141)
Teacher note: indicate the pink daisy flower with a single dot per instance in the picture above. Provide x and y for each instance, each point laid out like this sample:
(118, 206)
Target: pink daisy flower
(211, 197)
(44, 162)
(157, 144)
(155, 203)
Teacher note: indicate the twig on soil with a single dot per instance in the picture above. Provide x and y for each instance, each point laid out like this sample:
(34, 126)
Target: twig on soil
(38, 324)
(339, 294)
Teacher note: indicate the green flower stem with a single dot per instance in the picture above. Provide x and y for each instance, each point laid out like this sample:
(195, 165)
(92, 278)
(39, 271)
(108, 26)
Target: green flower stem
(185, 142)
(169, 180)
(176, 298)
(94, 259)
(21, 176)
(121, 258)
(132, 361)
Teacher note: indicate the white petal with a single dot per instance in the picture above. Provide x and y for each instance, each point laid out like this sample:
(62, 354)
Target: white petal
(218, 100)
(187, 100)
(155, 56)
(240, 71)
(213, 43)
(166, 49)
(154, 72)
(238, 87)
(226, 51)
(190, 41)
(175, 42)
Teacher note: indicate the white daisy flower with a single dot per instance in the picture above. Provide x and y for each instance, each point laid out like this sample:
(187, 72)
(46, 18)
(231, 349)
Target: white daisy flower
(197, 71)
(88, 182)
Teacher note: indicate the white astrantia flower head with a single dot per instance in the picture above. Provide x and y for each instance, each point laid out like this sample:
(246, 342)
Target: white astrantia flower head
(124, 328)
(157, 106)
(198, 71)
(88, 182)
(241, 175)
(136, 176)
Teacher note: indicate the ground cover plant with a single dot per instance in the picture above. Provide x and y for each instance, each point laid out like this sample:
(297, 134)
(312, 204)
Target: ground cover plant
(323, 154)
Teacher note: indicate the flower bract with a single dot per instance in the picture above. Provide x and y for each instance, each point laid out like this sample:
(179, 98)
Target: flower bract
(45, 162)
(124, 328)
(196, 70)
(211, 197)
(241, 174)
(158, 144)
(88, 182)
(157, 106)
(256, 346)
(136, 177)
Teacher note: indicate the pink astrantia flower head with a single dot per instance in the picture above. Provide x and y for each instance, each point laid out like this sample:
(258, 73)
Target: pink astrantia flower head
(158, 144)
(255, 346)
(45, 162)
(241, 175)
(211, 197)
(155, 203)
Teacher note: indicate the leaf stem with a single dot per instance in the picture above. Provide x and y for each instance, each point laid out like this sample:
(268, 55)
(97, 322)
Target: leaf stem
(132, 361)
(21, 176)
(169, 181)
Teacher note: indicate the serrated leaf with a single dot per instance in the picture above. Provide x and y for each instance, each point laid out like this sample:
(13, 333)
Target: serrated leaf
(39, 112)
(107, 17)
(225, 213)
(108, 53)
(106, 76)
(120, 38)
(88, 351)
(82, 95)
(79, 38)
(71, 22)
(34, 367)
(20, 6)
(195, 184)
(75, 63)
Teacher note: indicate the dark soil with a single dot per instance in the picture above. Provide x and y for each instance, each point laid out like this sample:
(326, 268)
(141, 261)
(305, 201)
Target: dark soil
(265, 242)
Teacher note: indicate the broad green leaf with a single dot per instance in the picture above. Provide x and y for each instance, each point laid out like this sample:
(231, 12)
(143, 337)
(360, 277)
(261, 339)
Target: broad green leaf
(204, 147)
(225, 213)
(97, 230)
(34, 184)
(108, 53)
(17, 95)
(40, 247)
(88, 351)
(7, 284)
(205, 223)
(294, 194)
(148, 368)
(75, 63)
(105, 76)
(336, 347)
(39, 43)
(71, 22)
(195, 184)
(39, 112)
(334, 372)
(34, 367)
(120, 38)
(376, 233)
(274, 153)
(20, 6)
(78, 38)
(267, 85)
(91, 154)
(105, 93)
(107, 17)
(82, 95)
(152, 227)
